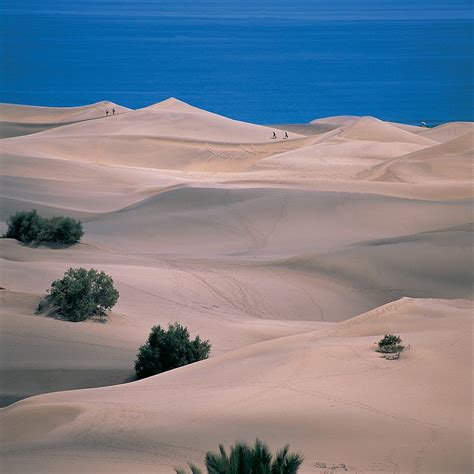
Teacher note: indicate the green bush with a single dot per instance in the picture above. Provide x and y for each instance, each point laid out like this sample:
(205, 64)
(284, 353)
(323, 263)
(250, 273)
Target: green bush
(25, 226)
(390, 344)
(166, 350)
(28, 226)
(81, 294)
(243, 459)
(65, 230)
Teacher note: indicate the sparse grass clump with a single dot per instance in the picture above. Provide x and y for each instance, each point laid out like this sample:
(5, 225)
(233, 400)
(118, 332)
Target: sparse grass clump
(81, 294)
(29, 226)
(169, 349)
(244, 459)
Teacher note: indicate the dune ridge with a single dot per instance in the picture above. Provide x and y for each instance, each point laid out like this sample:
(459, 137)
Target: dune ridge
(17, 120)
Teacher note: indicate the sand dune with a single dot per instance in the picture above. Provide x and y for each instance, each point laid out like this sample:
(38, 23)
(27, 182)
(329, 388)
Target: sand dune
(263, 221)
(442, 259)
(16, 120)
(336, 157)
(449, 131)
(169, 135)
(347, 120)
(274, 250)
(338, 120)
(287, 388)
(451, 160)
(230, 220)
(370, 128)
(171, 119)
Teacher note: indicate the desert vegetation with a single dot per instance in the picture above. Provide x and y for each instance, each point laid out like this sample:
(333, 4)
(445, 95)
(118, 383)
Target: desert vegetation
(81, 294)
(390, 346)
(169, 349)
(244, 459)
(29, 226)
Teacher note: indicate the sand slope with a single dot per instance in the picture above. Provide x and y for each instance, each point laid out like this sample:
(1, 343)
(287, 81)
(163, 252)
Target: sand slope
(321, 390)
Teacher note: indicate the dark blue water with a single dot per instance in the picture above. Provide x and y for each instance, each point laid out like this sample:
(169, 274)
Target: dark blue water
(265, 62)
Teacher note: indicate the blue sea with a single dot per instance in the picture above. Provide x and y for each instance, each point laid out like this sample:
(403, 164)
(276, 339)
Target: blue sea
(260, 61)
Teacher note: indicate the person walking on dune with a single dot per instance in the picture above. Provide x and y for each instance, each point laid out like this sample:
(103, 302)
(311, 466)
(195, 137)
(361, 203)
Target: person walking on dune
(113, 111)
(286, 135)
(106, 112)
(274, 136)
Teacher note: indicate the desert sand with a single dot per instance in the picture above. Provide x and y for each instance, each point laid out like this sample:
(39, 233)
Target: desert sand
(292, 256)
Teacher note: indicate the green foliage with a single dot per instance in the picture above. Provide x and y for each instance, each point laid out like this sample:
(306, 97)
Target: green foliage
(166, 350)
(65, 230)
(244, 459)
(25, 226)
(390, 344)
(389, 340)
(82, 293)
(28, 226)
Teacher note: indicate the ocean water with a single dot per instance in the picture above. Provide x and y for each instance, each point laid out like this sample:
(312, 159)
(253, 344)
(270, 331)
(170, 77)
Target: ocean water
(264, 62)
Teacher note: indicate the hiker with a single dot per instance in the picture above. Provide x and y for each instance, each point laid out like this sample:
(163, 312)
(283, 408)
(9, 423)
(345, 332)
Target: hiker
(274, 136)
(106, 112)
(113, 111)
(286, 135)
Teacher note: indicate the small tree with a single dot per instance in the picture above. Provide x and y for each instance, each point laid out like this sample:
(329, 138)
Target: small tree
(65, 230)
(166, 350)
(82, 293)
(25, 226)
(390, 344)
(249, 460)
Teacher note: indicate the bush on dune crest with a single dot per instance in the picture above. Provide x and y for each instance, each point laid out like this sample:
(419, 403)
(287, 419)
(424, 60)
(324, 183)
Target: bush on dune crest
(81, 294)
(244, 459)
(29, 226)
(166, 350)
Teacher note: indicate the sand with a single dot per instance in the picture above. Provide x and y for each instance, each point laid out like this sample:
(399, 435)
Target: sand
(292, 256)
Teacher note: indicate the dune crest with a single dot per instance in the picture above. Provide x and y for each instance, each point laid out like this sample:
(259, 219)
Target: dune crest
(18, 120)
(174, 105)
(370, 128)
(40, 114)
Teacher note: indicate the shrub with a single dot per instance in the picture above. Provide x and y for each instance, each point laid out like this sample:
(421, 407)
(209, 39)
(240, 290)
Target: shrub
(65, 230)
(25, 226)
(28, 226)
(390, 344)
(166, 350)
(250, 460)
(82, 293)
